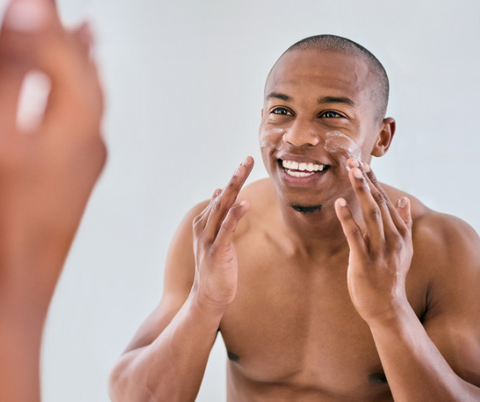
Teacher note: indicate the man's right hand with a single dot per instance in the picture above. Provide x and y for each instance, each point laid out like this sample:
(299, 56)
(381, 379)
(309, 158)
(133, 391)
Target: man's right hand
(216, 271)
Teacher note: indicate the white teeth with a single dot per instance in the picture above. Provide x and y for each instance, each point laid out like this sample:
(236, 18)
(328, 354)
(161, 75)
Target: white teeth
(299, 174)
(305, 167)
(287, 164)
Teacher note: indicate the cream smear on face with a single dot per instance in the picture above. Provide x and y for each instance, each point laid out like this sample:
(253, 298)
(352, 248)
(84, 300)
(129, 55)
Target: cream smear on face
(265, 134)
(339, 143)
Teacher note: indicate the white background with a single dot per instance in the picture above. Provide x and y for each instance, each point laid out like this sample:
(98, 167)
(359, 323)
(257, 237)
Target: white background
(184, 82)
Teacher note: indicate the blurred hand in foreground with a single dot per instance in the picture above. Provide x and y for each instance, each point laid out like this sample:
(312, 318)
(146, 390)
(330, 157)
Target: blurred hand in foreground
(46, 176)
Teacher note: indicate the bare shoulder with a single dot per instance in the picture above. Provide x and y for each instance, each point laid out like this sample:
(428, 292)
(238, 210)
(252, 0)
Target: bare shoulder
(447, 261)
(444, 238)
(262, 197)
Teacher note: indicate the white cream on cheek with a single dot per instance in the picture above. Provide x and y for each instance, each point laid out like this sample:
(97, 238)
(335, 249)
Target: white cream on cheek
(264, 135)
(339, 143)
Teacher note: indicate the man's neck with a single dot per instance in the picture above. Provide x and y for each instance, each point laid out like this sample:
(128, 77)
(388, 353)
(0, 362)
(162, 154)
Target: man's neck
(317, 233)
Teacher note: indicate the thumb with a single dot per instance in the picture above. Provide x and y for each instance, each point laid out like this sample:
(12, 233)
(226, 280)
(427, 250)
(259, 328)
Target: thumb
(23, 20)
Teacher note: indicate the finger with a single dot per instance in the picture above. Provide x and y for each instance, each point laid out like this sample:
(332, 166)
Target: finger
(227, 198)
(216, 193)
(371, 211)
(404, 211)
(383, 202)
(200, 220)
(230, 223)
(397, 220)
(22, 22)
(352, 231)
(75, 104)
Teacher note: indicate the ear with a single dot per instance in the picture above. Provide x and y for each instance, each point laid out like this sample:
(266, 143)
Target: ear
(385, 137)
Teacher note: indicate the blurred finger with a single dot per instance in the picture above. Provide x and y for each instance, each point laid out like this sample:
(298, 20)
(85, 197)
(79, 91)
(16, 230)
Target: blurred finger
(23, 20)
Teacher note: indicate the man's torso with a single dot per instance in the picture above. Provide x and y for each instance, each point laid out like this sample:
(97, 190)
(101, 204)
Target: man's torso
(292, 332)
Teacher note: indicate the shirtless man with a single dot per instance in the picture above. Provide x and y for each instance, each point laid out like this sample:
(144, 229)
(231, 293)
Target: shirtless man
(46, 176)
(315, 289)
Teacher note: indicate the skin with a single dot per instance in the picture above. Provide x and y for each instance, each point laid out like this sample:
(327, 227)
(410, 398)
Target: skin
(47, 176)
(324, 306)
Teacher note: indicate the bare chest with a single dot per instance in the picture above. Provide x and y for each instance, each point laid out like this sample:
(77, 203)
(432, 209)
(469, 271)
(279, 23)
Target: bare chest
(292, 324)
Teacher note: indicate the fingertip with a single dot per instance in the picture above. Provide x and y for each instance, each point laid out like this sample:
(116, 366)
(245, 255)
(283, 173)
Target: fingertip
(248, 162)
(27, 16)
(85, 34)
(341, 202)
(402, 202)
(357, 173)
(353, 163)
(403, 208)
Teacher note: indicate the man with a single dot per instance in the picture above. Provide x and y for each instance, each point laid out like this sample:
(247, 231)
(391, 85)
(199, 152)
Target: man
(46, 176)
(310, 288)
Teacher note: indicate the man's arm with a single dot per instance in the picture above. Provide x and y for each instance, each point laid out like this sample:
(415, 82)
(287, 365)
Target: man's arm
(167, 358)
(437, 361)
(46, 176)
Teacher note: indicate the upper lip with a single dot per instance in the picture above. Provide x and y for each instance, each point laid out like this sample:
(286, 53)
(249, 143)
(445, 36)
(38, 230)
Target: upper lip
(301, 159)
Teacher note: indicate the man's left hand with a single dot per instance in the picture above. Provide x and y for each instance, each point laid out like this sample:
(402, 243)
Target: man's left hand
(380, 246)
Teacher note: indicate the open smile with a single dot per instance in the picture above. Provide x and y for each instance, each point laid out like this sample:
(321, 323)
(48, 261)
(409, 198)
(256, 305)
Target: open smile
(302, 169)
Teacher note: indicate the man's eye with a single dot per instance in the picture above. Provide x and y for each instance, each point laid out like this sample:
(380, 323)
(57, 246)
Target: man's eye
(331, 115)
(282, 111)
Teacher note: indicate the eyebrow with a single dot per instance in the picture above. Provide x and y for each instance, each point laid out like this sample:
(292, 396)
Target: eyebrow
(335, 99)
(325, 99)
(278, 95)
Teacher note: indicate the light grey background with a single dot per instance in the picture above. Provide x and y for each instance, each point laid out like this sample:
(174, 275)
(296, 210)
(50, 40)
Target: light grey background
(183, 84)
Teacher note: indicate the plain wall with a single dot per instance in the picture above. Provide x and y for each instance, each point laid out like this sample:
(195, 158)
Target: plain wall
(184, 83)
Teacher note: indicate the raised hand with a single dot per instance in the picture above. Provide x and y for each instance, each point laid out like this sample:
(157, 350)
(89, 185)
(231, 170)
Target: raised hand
(380, 247)
(46, 177)
(215, 283)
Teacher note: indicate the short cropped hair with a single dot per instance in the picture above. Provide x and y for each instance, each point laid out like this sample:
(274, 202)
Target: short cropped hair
(338, 44)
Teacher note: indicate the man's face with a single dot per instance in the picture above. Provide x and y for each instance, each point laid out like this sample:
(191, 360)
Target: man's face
(318, 112)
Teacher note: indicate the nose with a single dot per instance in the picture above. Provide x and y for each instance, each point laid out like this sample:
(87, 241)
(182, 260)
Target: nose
(302, 133)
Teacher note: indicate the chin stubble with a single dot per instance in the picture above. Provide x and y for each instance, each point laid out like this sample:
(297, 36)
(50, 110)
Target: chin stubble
(306, 209)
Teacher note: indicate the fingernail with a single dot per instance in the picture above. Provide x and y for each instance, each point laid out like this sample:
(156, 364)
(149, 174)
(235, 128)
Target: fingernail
(367, 167)
(26, 15)
(402, 202)
(342, 202)
(354, 163)
(358, 174)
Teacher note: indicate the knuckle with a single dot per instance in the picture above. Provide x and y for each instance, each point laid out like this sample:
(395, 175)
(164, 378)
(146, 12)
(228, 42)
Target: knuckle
(230, 185)
(225, 226)
(374, 214)
(373, 178)
(216, 205)
(379, 197)
(355, 232)
(397, 243)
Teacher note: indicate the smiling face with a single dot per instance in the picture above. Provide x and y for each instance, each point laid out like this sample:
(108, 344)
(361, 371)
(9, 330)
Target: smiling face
(318, 112)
